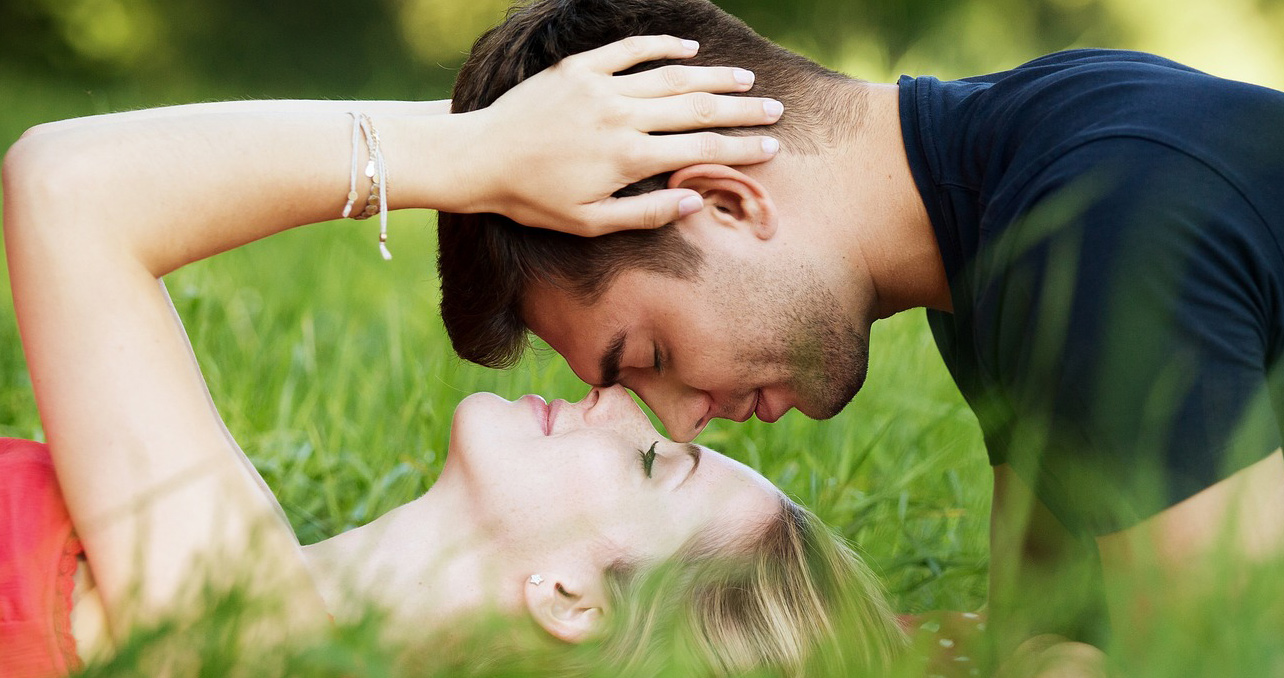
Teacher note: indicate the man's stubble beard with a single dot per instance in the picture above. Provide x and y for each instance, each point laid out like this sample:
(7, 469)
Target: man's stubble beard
(826, 357)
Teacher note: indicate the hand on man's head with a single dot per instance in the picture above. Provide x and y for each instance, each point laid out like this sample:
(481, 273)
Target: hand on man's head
(586, 133)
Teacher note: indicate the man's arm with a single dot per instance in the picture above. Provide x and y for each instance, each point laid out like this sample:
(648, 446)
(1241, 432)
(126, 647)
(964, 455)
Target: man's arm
(1164, 561)
(1034, 557)
(1226, 528)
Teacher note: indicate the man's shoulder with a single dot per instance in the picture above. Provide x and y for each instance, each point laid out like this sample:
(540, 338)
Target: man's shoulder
(1087, 60)
(1087, 92)
(1135, 124)
(994, 132)
(1075, 78)
(1098, 58)
(1091, 92)
(1084, 93)
(1098, 222)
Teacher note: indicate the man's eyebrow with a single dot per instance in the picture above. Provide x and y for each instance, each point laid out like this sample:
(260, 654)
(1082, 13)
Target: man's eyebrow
(609, 365)
(694, 451)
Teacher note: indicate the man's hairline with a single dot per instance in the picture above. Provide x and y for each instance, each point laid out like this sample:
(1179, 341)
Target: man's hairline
(592, 298)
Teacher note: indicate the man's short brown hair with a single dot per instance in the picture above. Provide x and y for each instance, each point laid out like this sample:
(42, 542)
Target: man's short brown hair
(487, 261)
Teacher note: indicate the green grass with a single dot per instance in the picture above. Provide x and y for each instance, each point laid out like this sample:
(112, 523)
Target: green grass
(333, 372)
(332, 369)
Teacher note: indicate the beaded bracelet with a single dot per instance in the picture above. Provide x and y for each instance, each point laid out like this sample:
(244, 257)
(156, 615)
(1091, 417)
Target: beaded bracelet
(377, 171)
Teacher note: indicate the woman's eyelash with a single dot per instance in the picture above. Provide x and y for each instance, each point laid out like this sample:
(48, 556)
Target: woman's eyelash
(648, 458)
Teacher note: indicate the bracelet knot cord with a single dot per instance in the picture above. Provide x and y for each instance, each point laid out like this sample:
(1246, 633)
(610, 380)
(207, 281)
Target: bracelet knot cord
(376, 170)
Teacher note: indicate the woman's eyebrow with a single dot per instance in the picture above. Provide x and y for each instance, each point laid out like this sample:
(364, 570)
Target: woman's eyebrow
(694, 452)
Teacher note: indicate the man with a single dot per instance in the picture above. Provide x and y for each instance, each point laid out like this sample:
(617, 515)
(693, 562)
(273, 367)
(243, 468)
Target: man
(1096, 236)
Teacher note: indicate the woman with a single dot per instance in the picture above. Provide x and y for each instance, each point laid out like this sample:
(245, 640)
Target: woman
(542, 511)
(556, 532)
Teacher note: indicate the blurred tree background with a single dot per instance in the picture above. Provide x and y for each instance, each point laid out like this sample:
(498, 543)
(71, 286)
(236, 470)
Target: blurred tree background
(64, 58)
(144, 52)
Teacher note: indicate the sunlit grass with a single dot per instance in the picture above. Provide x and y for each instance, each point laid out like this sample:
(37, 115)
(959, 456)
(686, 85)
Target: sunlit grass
(332, 370)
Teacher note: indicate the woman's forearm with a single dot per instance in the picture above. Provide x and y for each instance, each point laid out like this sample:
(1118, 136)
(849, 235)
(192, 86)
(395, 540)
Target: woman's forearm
(175, 188)
(94, 214)
(439, 107)
(551, 152)
(156, 490)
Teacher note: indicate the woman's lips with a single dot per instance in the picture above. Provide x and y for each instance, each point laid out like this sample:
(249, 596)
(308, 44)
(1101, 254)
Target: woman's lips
(543, 413)
(553, 408)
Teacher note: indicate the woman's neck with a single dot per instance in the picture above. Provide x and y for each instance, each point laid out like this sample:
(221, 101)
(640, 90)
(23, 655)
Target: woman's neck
(427, 561)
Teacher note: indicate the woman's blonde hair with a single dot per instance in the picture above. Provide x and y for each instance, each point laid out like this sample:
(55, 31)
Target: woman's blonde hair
(796, 598)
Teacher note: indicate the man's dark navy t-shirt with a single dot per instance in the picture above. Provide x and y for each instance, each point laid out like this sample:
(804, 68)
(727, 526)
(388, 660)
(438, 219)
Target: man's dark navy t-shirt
(1111, 225)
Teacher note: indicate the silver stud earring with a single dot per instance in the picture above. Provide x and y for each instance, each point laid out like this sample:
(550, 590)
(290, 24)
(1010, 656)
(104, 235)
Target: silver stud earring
(536, 579)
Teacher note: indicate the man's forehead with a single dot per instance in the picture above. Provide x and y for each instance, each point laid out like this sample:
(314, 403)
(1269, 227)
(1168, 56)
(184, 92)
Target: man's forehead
(628, 293)
(592, 338)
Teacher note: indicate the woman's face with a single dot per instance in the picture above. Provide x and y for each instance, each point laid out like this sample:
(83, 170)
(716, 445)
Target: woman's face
(564, 478)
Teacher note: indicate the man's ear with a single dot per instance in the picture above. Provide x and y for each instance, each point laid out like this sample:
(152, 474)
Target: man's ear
(731, 198)
(570, 609)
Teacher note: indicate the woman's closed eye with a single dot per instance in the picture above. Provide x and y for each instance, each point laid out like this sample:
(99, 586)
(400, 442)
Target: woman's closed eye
(648, 459)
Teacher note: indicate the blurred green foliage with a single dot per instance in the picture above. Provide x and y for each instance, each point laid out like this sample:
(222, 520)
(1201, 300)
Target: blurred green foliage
(65, 58)
(410, 48)
(340, 386)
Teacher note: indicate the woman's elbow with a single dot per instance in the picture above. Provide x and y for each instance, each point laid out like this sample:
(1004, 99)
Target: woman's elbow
(22, 180)
(38, 176)
(17, 172)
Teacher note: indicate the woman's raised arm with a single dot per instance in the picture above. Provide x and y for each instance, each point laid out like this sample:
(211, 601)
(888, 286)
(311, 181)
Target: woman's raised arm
(96, 210)
(94, 214)
(585, 132)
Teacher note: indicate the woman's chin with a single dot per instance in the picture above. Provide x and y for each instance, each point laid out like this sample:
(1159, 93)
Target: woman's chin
(471, 408)
(485, 423)
(481, 395)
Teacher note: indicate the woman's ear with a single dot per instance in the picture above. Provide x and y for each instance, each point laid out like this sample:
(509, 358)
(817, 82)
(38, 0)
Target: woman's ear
(568, 609)
(731, 198)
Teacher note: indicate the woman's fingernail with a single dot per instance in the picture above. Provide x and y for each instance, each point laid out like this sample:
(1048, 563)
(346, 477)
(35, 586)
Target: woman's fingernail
(770, 146)
(690, 205)
(691, 45)
(773, 108)
(743, 77)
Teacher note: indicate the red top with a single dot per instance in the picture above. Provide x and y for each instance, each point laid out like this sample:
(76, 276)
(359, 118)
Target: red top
(37, 566)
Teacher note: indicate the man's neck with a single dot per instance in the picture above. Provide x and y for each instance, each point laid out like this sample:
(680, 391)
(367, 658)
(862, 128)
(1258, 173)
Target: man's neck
(857, 201)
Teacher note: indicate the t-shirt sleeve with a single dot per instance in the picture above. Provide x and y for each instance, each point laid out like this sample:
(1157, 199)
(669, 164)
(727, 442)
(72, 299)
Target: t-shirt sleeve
(1123, 322)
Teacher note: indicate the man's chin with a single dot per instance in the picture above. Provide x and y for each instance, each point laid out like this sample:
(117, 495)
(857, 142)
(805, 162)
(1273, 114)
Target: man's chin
(833, 400)
(818, 413)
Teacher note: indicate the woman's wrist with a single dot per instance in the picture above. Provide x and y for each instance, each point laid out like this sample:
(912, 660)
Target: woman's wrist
(438, 162)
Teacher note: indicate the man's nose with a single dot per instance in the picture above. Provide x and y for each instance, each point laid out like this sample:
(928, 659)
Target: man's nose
(684, 412)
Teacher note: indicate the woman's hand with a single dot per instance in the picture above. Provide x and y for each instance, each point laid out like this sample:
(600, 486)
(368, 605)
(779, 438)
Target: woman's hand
(552, 150)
